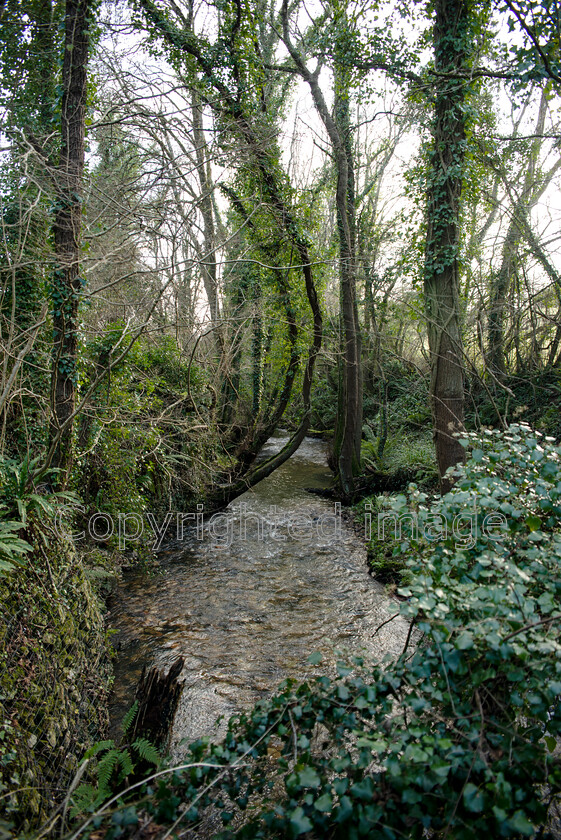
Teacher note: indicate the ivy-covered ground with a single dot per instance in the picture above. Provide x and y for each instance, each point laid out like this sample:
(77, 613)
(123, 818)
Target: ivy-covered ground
(457, 738)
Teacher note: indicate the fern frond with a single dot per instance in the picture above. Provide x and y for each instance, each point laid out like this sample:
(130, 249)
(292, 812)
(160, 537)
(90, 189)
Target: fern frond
(147, 751)
(98, 747)
(126, 763)
(83, 799)
(105, 770)
(129, 717)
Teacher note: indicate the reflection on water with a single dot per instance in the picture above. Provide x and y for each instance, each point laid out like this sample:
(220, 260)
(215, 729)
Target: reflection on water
(277, 577)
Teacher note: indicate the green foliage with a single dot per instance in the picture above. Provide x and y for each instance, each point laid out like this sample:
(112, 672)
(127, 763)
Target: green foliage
(12, 548)
(114, 766)
(128, 454)
(408, 456)
(17, 493)
(532, 397)
(385, 559)
(324, 401)
(20, 506)
(535, 48)
(453, 737)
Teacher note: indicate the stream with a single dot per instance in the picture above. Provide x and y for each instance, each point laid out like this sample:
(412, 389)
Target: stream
(277, 576)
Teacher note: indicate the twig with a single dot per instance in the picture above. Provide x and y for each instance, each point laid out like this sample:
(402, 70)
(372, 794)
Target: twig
(549, 620)
(294, 736)
(387, 621)
(408, 639)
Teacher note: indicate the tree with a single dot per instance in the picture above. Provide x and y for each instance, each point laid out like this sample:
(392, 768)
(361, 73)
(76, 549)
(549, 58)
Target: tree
(532, 183)
(29, 49)
(238, 94)
(67, 281)
(337, 124)
(452, 39)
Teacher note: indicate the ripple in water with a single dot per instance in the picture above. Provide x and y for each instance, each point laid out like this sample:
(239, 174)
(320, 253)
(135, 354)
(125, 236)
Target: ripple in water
(246, 609)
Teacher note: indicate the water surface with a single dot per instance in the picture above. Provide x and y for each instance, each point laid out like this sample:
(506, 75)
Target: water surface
(276, 577)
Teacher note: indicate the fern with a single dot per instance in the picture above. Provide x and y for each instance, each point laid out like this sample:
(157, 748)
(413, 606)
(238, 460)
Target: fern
(12, 547)
(84, 798)
(98, 747)
(105, 770)
(126, 763)
(113, 765)
(129, 718)
(147, 751)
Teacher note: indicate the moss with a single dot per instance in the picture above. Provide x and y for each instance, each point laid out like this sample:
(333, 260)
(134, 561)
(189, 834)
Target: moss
(54, 676)
(385, 565)
(384, 557)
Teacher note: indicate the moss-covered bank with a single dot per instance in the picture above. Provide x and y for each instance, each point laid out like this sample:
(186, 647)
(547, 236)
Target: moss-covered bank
(54, 677)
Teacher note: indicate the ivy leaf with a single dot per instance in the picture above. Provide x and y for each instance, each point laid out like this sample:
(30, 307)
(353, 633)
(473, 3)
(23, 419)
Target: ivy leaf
(324, 803)
(520, 824)
(315, 658)
(551, 742)
(473, 798)
(299, 822)
(464, 641)
(534, 523)
(308, 777)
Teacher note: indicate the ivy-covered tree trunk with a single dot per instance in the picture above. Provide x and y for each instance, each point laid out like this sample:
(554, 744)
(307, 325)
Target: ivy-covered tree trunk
(451, 36)
(256, 352)
(67, 281)
(348, 431)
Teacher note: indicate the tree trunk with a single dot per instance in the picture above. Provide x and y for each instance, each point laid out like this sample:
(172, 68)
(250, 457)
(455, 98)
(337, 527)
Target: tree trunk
(500, 286)
(441, 273)
(519, 229)
(67, 283)
(348, 431)
(208, 267)
(256, 352)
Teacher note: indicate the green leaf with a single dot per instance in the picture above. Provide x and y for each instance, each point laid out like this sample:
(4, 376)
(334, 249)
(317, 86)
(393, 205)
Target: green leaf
(315, 658)
(520, 824)
(464, 641)
(534, 523)
(147, 751)
(299, 822)
(473, 798)
(324, 803)
(129, 717)
(308, 777)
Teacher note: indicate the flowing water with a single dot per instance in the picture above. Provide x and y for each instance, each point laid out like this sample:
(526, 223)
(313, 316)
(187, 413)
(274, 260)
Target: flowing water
(276, 577)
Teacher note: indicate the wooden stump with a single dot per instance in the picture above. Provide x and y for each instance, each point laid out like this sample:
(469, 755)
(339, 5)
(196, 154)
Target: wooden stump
(158, 697)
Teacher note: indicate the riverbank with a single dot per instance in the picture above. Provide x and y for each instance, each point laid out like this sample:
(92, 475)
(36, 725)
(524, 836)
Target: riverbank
(54, 679)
